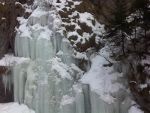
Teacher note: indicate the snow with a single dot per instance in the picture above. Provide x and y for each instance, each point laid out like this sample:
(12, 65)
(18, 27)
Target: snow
(61, 68)
(14, 108)
(86, 18)
(135, 109)
(75, 18)
(80, 55)
(143, 86)
(3, 18)
(102, 79)
(10, 60)
(67, 100)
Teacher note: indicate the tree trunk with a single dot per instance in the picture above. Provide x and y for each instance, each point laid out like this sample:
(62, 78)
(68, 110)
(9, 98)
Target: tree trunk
(123, 48)
(146, 41)
(134, 43)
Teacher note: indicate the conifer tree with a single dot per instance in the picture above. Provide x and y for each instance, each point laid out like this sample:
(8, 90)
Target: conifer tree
(142, 19)
(118, 28)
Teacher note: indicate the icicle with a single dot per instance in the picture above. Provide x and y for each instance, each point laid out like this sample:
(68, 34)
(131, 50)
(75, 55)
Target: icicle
(7, 81)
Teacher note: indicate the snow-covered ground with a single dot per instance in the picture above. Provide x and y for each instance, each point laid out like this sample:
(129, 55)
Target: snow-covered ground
(14, 108)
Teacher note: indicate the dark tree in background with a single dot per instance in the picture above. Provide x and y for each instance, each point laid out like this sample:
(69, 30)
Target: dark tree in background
(141, 14)
(118, 28)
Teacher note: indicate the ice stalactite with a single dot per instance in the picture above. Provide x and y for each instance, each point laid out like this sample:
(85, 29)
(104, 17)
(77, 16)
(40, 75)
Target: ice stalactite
(7, 81)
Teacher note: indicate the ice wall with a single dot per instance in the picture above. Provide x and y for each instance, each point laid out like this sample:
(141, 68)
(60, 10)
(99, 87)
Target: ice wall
(45, 83)
(48, 83)
(48, 87)
(37, 37)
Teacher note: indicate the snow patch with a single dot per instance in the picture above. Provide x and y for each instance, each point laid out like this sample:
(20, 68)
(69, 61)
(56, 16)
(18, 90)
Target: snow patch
(135, 109)
(14, 108)
(102, 80)
(10, 60)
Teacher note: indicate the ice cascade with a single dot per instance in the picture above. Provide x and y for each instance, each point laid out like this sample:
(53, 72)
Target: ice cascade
(48, 82)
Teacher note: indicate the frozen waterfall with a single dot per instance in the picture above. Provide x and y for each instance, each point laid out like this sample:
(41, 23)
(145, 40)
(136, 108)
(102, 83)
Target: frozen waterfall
(48, 82)
(43, 85)
(38, 39)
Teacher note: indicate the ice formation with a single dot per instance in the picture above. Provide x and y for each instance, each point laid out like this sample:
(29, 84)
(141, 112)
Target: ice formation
(46, 83)
(107, 91)
(38, 39)
(42, 85)
(49, 81)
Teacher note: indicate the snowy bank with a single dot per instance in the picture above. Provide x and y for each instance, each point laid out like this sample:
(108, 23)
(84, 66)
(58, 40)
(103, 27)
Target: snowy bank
(14, 108)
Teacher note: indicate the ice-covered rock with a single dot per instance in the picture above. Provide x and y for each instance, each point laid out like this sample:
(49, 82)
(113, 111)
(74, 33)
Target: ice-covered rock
(42, 85)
